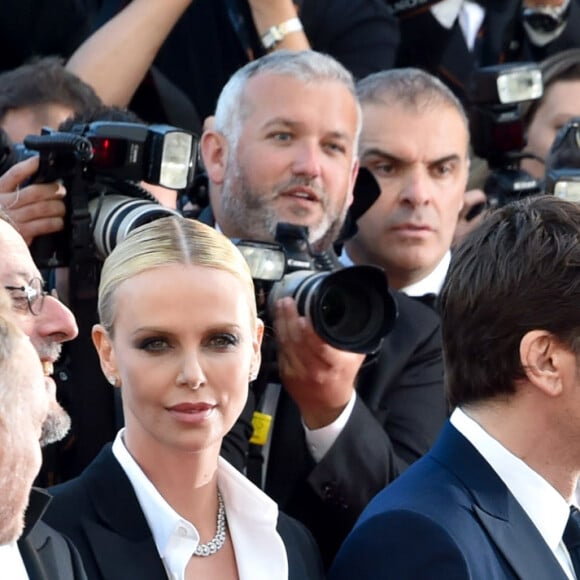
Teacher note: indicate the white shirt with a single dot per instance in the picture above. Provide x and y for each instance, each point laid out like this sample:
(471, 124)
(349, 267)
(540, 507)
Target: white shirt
(430, 284)
(433, 282)
(11, 564)
(470, 16)
(547, 509)
(251, 517)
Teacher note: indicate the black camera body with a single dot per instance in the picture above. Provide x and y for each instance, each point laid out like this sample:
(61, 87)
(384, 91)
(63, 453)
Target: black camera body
(101, 165)
(350, 308)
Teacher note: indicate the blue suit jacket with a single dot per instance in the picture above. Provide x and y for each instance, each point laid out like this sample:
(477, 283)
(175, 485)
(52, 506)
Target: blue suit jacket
(449, 516)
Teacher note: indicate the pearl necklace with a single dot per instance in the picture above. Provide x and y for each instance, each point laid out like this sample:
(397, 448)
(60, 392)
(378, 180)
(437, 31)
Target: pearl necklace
(217, 542)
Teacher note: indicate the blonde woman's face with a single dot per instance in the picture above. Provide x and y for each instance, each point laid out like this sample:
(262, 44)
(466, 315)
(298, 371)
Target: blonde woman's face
(185, 342)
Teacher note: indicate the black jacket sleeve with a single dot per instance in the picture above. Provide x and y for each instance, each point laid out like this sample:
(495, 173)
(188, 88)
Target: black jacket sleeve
(399, 411)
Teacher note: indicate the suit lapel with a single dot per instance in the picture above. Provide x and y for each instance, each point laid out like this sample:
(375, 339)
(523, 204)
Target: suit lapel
(521, 544)
(120, 533)
(507, 524)
(32, 560)
(36, 558)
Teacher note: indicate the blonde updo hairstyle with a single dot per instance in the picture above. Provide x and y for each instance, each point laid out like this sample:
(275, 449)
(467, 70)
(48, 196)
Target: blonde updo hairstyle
(169, 240)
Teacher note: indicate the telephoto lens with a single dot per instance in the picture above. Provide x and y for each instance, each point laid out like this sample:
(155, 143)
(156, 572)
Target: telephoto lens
(350, 309)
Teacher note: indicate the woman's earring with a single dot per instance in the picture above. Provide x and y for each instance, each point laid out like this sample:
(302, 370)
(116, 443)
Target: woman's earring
(112, 380)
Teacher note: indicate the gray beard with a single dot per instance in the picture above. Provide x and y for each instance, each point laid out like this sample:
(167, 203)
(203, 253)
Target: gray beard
(55, 427)
(256, 219)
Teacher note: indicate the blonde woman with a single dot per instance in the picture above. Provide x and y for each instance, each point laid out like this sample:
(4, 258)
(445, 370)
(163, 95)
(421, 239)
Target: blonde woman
(179, 335)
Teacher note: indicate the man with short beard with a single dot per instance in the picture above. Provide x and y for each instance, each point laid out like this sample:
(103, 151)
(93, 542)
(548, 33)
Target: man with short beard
(283, 148)
(28, 416)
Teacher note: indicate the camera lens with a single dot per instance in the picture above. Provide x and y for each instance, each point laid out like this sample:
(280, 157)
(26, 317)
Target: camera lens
(333, 307)
(351, 309)
(343, 312)
(117, 215)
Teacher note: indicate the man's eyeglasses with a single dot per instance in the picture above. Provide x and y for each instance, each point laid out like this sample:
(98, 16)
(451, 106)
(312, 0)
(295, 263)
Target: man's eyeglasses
(30, 296)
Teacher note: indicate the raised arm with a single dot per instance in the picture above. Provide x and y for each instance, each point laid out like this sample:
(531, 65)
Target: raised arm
(116, 57)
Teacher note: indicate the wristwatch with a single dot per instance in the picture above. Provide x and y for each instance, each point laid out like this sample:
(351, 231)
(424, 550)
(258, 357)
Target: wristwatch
(546, 19)
(275, 35)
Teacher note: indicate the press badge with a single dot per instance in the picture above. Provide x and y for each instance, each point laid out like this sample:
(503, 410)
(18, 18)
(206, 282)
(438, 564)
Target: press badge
(261, 424)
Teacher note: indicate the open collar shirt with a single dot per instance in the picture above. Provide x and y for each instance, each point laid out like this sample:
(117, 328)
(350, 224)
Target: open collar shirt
(251, 519)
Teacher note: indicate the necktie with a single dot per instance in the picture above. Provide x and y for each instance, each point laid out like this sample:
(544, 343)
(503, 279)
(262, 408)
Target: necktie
(571, 538)
(428, 299)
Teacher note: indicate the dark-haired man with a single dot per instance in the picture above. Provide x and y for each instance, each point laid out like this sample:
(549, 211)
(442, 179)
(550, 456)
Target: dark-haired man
(415, 141)
(491, 499)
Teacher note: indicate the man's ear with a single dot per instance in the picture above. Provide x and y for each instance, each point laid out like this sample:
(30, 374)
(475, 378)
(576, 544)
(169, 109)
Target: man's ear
(214, 152)
(546, 361)
(104, 346)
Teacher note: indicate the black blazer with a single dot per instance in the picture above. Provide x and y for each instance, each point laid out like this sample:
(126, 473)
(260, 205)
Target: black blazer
(100, 512)
(448, 516)
(47, 555)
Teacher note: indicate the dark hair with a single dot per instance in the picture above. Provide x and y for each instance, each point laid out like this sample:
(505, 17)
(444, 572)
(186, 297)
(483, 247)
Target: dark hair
(44, 81)
(100, 113)
(518, 271)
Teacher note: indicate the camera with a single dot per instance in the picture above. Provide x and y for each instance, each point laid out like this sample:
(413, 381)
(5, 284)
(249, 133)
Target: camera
(497, 128)
(101, 164)
(350, 308)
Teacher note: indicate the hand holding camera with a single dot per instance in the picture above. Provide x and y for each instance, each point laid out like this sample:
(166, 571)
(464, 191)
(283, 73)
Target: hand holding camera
(36, 209)
(319, 377)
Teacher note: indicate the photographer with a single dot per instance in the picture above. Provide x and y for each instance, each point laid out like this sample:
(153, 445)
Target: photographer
(35, 209)
(41, 93)
(559, 103)
(283, 148)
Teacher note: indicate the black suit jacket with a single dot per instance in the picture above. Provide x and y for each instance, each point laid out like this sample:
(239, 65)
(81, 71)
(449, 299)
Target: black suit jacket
(47, 555)
(100, 512)
(443, 52)
(449, 516)
(399, 412)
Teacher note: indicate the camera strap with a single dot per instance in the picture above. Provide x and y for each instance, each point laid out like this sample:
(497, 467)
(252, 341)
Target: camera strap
(261, 441)
(84, 271)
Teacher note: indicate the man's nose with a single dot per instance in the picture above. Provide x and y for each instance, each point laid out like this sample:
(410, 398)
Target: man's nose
(56, 321)
(308, 160)
(416, 188)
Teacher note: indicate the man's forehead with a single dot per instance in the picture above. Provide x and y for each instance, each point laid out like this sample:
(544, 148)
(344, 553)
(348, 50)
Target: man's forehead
(398, 123)
(327, 105)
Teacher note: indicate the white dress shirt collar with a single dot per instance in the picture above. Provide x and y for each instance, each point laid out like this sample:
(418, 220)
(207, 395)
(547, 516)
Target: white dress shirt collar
(430, 284)
(470, 15)
(543, 504)
(433, 282)
(11, 563)
(251, 516)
